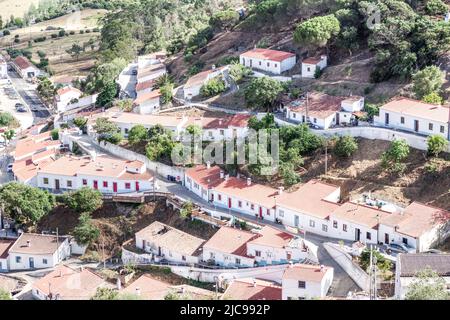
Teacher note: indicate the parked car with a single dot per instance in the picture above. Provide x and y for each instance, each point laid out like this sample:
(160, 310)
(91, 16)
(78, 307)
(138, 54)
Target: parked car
(399, 248)
(21, 109)
(434, 251)
(134, 72)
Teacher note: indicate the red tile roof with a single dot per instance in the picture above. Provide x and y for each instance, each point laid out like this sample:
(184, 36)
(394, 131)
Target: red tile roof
(253, 289)
(145, 85)
(38, 243)
(207, 178)
(271, 237)
(305, 272)
(360, 214)
(230, 240)
(4, 248)
(148, 96)
(68, 89)
(22, 62)
(267, 54)
(311, 60)
(320, 105)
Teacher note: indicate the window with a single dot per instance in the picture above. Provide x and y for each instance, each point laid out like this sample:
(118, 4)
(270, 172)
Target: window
(210, 133)
(211, 255)
(238, 261)
(84, 182)
(105, 184)
(44, 261)
(183, 258)
(281, 213)
(294, 115)
(442, 129)
(312, 223)
(276, 65)
(315, 120)
(222, 132)
(402, 120)
(126, 130)
(344, 227)
(268, 212)
(219, 197)
(127, 185)
(260, 63)
(302, 284)
(69, 183)
(324, 228)
(18, 259)
(196, 185)
(45, 180)
(268, 64)
(257, 253)
(240, 204)
(368, 236)
(335, 224)
(252, 206)
(405, 241)
(430, 126)
(309, 69)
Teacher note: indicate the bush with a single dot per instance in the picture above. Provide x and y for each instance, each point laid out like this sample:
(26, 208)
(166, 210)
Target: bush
(54, 35)
(6, 32)
(137, 134)
(72, 32)
(85, 232)
(40, 39)
(393, 157)
(382, 263)
(61, 33)
(436, 144)
(55, 134)
(433, 98)
(345, 146)
(213, 87)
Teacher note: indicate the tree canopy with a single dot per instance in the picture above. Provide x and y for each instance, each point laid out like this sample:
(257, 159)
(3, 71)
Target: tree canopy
(317, 31)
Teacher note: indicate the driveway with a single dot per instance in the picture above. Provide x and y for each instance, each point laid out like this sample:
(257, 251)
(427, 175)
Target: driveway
(127, 81)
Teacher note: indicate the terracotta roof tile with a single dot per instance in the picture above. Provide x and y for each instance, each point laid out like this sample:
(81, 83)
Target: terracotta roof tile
(320, 105)
(39, 243)
(230, 240)
(267, 54)
(305, 272)
(253, 289)
(147, 96)
(419, 109)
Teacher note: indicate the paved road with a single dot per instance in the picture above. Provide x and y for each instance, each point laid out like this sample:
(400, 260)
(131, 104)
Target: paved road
(28, 93)
(127, 81)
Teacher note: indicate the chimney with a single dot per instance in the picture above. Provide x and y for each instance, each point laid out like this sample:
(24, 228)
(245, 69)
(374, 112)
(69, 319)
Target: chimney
(254, 283)
(208, 165)
(321, 268)
(118, 284)
(280, 190)
(238, 175)
(60, 273)
(221, 174)
(220, 121)
(249, 181)
(213, 67)
(138, 291)
(291, 265)
(28, 243)
(226, 177)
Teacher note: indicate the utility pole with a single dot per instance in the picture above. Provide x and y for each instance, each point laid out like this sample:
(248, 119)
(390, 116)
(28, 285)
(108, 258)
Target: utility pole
(370, 273)
(307, 106)
(374, 275)
(326, 157)
(57, 244)
(103, 252)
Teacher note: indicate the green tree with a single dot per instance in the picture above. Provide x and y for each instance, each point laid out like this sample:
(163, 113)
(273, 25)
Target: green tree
(427, 285)
(436, 144)
(55, 134)
(345, 146)
(392, 158)
(8, 135)
(317, 31)
(105, 294)
(46, 90)
(433, 98)
(213, 87)
(166, 92)
(6, 119)
(224, 19)
(435, 7)
(239, 72)
(85, 200)
(427, 81)
(85, 232)
(137, 134)
(80, 122)
(125, 105)
(263, 93)
(186, 209)
(107, 95)
(290, 177)
(75, 50)
(383, 264)
(25, 204)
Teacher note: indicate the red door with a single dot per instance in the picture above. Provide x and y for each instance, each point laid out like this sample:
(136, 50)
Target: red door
(115, 186)
(260, 212)
(212, 197)
(95, 184)
(229, 202)
(137, 185)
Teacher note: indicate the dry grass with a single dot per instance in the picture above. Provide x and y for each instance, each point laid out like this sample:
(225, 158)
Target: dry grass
(15, 8)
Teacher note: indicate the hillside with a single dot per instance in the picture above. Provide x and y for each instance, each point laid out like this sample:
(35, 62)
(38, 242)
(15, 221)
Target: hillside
(15, 8)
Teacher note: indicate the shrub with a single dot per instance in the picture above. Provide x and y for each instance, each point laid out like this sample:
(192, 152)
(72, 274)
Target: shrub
(55, 134)
(435, 7)
(54, 35)
(61, 33)
(393, 157)
(433, 98)
(345, 146)
(6, 32)
(436, 144)
(85, 200)
(72, 32)
(85, 232)
(213, 87)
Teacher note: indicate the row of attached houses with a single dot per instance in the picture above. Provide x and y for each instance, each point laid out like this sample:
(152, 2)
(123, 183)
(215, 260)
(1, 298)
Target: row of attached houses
(415, 116)
(228, 247)
(298, 282)
(213, 129)
(323, 110)
(149, 68)
(315, 207)
(33, 251)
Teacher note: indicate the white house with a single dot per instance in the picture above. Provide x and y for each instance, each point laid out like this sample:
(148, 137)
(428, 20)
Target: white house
(303, 281)
(144, 87)
(38, 251)
(168, 243)
(148, 103)
(3, 68)
(5, 245)
(272, 61)
(323, 110)
(151, 59)
(415, 116)
(273, 246)
(192, 87)
(25, 68)
(151, 72)
(408, 265)
(103, 173)
(65, 96)
(310, 65)
(66, 283)
(228, 248)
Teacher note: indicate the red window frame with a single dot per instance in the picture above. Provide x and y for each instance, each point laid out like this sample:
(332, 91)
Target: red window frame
(240, 204)
(219, 197)
(84, 182)
(127, 185)
(105, 184)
